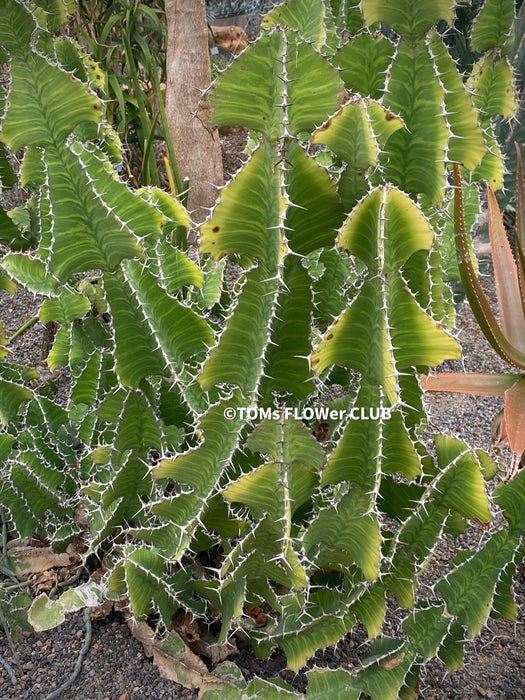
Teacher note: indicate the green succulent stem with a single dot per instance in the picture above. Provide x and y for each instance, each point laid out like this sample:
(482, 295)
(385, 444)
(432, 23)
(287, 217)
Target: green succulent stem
(23, 328)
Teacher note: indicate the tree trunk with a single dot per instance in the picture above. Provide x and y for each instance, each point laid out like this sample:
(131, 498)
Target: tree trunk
(197, 150)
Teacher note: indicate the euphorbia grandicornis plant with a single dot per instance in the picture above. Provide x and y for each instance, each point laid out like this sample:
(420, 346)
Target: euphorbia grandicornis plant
(188, 460)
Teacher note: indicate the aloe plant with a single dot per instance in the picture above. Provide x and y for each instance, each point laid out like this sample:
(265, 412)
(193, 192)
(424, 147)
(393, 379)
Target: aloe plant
(128, 43)
(198, 457)
(507, 336)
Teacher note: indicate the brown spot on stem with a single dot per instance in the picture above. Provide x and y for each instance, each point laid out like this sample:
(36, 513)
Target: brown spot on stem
(325, 126)
(389, 664)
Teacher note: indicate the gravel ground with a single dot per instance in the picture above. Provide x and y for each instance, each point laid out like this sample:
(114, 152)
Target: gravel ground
(116, 667)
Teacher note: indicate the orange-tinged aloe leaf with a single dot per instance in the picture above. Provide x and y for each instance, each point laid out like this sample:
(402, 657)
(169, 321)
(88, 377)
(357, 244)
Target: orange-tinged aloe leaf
(520, 223)
(506, 277)
(473, 289)
(515, 417)
(470, 383)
